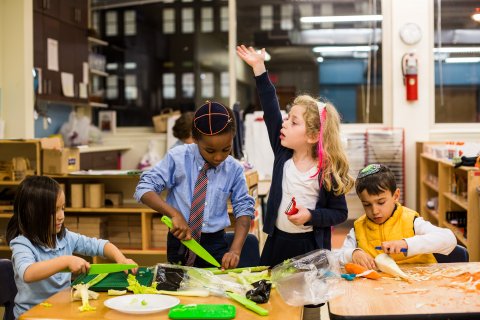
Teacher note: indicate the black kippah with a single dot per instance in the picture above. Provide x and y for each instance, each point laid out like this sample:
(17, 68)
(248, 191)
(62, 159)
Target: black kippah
(211, 118)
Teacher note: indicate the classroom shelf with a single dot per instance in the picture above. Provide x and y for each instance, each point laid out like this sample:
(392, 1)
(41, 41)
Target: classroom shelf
(463, 180)
(430, 185)
(458, 233)
(461, 202)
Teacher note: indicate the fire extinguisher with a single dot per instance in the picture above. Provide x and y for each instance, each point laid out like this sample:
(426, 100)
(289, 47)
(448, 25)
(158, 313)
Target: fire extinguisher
(410, 74)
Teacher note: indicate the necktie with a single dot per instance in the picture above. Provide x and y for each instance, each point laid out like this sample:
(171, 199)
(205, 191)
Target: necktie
(196, 211)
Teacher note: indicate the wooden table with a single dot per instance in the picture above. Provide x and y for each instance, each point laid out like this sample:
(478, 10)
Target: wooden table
(63, 308)
(423, 299)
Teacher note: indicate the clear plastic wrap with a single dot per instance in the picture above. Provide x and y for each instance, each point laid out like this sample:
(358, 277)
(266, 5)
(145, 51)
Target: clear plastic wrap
(308, 279)
(174, 277)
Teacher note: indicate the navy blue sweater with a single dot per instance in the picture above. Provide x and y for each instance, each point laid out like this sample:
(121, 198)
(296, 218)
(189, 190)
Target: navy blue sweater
(329, 210)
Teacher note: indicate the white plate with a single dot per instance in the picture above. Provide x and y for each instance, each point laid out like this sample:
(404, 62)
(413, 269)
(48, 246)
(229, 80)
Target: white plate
(132, 303)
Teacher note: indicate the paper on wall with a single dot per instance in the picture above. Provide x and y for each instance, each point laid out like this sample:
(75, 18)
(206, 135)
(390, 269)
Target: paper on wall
(86, 72)
(52, 54)
(67, 84)
(82, 90)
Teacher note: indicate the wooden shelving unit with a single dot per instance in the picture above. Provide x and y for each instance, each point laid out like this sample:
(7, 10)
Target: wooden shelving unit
(146, 253)
(438, 178)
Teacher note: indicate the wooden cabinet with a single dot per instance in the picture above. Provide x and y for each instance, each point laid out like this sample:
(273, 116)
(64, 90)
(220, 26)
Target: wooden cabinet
(28, 153)
(453, 202)
(65, 22)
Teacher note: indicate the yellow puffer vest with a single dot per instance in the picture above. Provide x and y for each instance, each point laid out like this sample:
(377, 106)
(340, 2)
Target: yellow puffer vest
(399, 226)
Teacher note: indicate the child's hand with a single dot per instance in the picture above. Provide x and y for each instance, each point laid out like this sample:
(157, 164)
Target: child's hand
(230, 260)
(128, 261)
(364, 259)
(301, 217)
(77, 265)
(394, 246)
(180, 229)
(253, 58)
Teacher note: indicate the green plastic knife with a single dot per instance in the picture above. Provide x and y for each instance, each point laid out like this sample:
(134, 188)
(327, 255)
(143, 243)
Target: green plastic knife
(109, 267)
(193, 245)
(249, 304)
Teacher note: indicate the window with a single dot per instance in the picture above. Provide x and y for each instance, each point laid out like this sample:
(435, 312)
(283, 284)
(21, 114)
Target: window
(131, 87)
(457, 63)
(224, 85)
(168, 21)
(111, 23)
(266, 17)
(340, 61)
(169, 86)
(129, 25)
(207, 19)
(188, 85)
(112, 87)
(306, 10)
(286, 22)
(224, 19)
(187, 20)
(208, 85)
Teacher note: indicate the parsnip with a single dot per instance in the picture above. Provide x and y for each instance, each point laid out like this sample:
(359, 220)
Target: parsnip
(386, 264)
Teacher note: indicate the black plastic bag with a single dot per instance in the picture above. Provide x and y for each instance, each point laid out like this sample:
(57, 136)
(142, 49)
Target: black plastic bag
(169, 278)
(260, 292)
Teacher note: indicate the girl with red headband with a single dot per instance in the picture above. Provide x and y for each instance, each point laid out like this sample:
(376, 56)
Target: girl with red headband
(310, 170)
(200, 178)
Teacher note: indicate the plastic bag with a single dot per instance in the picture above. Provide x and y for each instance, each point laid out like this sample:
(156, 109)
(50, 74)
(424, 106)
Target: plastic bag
(152, 156)
(307, 279)
(182, 277)
(75, 132)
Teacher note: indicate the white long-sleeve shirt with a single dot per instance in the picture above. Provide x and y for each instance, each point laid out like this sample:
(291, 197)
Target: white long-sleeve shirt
(427, 239)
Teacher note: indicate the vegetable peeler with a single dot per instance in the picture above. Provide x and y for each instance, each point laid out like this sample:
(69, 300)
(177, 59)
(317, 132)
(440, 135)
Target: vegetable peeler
(291, 209)
(404, 250)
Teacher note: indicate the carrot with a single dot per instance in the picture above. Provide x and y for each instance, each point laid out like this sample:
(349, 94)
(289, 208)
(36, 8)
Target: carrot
(358, 269)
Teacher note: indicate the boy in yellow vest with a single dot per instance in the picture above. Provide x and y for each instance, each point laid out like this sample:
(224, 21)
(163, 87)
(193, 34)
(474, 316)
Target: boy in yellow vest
(389, 227)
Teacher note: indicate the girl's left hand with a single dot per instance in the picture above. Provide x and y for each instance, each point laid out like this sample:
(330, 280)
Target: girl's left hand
(230, 260)
(301, 217)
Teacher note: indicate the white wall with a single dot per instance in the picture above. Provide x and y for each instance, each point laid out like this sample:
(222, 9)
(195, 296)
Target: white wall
(414, 117)
(138, 139)
(16, 63)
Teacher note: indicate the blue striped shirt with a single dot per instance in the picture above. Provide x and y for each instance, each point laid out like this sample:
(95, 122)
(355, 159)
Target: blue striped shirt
(178, 172)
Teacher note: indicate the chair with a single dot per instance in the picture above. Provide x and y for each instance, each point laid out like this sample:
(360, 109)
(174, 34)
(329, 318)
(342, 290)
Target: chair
(459, 254)
(9, 289)
(250, 256)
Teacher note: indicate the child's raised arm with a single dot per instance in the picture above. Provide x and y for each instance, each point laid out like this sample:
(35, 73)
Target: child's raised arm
(253, 58)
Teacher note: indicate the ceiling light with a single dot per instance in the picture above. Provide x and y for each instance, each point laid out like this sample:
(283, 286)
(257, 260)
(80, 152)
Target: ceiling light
(476, 15)
(321, 19)
(320, 59)
(463, 60)
(345, 48)
(457, 49)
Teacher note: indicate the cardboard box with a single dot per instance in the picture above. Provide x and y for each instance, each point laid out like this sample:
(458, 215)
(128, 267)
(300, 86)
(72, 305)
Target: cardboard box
(76, 195)
(58, 160)
(61, 161)
(94, 195)
(114, 199)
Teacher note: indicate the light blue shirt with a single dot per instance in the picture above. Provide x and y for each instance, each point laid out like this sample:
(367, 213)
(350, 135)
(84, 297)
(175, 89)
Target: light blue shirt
(24, 253)
(178, 172)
